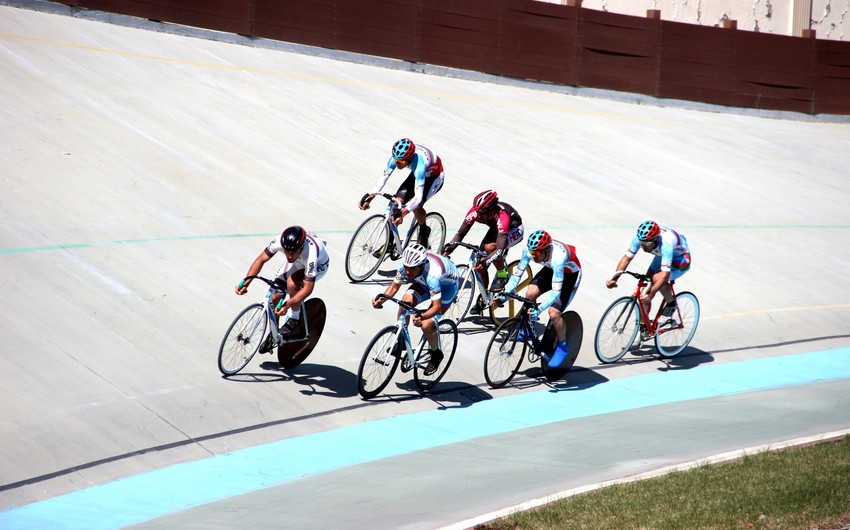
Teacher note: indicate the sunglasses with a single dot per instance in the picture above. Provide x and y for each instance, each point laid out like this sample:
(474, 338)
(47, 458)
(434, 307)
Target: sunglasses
(536, 253)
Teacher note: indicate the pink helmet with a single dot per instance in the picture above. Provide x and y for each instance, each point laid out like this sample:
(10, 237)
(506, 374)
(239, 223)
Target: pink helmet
(485, 201)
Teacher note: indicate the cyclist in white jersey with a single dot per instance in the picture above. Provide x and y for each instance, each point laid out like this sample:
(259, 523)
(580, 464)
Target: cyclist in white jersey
(672, 260)
(306, 262)
(432, 277)
(424, 181)
(559, 279)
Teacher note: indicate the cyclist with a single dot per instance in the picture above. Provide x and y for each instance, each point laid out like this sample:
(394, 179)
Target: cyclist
(306, 263)
(505, 231)
(431, 276)
(559, 279)
(424, 181)
(672, 260)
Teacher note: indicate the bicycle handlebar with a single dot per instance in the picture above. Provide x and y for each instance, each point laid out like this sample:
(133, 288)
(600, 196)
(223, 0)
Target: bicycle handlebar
(402, 303)
(475, 248)
(643, 277)
(277, 283)
(515, 296)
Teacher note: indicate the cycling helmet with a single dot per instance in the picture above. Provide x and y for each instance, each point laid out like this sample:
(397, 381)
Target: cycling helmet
(293, 238)
(648, 231)
(403, 149)
(539, 241)
(485, 201)
(414, 255)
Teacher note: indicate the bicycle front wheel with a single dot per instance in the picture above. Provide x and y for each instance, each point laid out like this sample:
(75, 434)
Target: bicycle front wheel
(511, 307)
(617, 330)
(368, 246)
(242, 339)
(437, 223)
(504, 353)
(448, 345)
(465, 294)
(379, 362)
(675, 333)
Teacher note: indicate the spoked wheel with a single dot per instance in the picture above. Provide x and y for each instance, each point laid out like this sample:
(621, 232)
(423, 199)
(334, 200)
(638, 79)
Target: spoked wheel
(368, 246)
(465, 294)
(504, 353)
(448, 345)
(291, 354)
(242, 340)
(617, 330)
(511, 307)
(379, 363)
(575, 333)
(437, 224)
(675, 333)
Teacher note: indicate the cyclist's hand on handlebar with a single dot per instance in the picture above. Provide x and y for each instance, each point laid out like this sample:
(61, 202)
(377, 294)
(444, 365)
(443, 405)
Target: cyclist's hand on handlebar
(417, 320)
(378, 302)
(448, 248)
(611, 283)
(365, 201)
(241, 288)
(534, 313)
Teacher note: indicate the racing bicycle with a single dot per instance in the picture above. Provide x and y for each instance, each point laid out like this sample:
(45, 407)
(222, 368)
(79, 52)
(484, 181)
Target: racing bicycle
(620, 324)
(247, 333)
(470, 281)
(378, 238)
(392, 346)
(516, 338)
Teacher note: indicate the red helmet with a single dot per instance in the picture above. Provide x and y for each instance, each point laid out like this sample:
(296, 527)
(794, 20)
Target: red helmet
(485, 201)
(648, 231)
(403, 149)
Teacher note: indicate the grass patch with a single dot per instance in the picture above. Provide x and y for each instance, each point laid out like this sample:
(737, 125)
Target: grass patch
(803, 488)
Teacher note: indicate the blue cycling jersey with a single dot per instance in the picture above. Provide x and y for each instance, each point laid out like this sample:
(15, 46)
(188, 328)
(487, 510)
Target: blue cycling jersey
(672, 248)
(439, 274)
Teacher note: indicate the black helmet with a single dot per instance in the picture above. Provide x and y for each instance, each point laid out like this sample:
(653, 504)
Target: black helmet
(293, 238)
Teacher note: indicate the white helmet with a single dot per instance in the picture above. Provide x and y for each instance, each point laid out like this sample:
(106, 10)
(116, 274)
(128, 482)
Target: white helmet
(415, 255)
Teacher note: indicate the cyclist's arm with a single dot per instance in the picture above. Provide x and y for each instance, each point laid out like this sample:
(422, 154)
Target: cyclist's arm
(465, 226)
(391, 290)
(253, 270)
(382, 180)
(657, 281)
(621, 268)
(433, 309)
(518, 271)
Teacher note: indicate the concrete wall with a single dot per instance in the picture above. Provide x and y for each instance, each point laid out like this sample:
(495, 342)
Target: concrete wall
(829, 18)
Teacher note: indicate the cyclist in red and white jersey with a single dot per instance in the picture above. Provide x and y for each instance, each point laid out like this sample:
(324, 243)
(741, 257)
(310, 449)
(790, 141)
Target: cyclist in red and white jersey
(559, 279)
(424, 181)
(505, 231)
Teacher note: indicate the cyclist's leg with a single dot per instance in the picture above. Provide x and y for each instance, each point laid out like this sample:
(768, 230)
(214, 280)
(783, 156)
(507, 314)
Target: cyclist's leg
(488, 244)
(431, 187)
(568, 290)
(514, 236)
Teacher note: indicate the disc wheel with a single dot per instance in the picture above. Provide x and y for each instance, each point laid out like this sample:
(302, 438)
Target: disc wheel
(242, 339)
(675, 333)
(367, 248)
(617, 330)
(448, 345)
(291, 354)
(575, 333)
(378, 363)
(504, 353)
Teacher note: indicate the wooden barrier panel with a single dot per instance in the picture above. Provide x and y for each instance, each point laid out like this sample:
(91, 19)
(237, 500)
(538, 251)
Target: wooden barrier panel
(697, 63)
(832, 77)
(460, 33)
(619, 52)
(231, 16)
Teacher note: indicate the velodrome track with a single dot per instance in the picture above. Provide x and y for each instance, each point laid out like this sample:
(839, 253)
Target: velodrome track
(142, 172)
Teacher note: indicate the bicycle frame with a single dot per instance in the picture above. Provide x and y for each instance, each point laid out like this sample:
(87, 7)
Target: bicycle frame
(388, 217)
(474, 256)
(403, 322)
(652, 326)
(269, 309)
(527, 326)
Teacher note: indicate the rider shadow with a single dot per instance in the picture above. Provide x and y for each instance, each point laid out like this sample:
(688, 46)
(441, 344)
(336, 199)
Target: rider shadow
(320, 379)
(578, 378)
(264, 377)
(687, 359)
(446, 394)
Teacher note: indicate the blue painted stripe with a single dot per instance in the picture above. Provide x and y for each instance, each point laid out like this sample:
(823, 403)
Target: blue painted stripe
(160, 492)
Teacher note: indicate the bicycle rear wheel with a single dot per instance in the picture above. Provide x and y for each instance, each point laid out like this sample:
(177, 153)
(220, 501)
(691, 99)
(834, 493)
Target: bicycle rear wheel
(242, 339)
(367, 248)
(448, 344)
(617, 330)
(437, 223)
(675, 333)
(379, 363)
(575, 333)
(504, 353)
(465, 295)
(511, 307)
(291, 354)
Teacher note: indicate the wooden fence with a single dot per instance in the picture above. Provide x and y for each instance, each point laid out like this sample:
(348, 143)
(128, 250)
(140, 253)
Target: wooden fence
(562, 44)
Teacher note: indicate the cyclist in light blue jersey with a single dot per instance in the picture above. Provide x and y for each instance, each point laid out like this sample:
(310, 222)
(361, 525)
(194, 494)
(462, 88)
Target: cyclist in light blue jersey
(672, 260)
(424, 181)
(559, 279)
(432, 277)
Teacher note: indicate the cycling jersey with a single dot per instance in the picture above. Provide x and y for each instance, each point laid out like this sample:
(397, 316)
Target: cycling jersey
(562, 260)
(438, 280)
(313, 258)
(671, 253)
(425, 163)
(505, 228)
